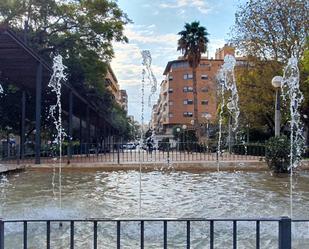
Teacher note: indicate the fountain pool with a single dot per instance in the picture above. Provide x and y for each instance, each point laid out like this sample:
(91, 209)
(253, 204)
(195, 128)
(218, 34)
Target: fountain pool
(100, 194)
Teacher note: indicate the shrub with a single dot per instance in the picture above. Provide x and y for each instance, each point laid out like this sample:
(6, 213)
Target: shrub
(164, 144)
(278, 154)
(249, 149)
(306, 153)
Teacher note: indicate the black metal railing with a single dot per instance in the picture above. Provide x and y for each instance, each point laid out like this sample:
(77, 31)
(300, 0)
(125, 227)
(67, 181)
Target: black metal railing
(130, 153)
(284, 227)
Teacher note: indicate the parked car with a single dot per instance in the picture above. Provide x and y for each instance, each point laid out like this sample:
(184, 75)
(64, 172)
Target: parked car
(130, 146)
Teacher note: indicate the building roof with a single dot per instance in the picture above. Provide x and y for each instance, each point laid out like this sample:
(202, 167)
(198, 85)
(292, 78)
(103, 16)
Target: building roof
(170, 63)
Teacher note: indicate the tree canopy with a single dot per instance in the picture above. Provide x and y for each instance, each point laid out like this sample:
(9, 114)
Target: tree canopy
(271, 29)
(268, 33)
(82, 31)
(193, 42)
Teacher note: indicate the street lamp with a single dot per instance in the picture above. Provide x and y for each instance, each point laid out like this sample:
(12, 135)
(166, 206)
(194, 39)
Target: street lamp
(178, 130)
(192, 122)
(276, 83)
(184, 127)
(207, 116)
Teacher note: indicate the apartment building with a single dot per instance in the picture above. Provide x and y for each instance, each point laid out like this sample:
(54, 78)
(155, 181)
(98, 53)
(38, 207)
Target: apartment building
(124, 100)
(120, 96)
(159, 117)
(112, 84)
(175, 104)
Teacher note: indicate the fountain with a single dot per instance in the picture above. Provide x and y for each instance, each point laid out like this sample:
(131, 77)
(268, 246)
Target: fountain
(291, 93)
(147, 60)
(55, 112)
(146, 72)
(227, 85)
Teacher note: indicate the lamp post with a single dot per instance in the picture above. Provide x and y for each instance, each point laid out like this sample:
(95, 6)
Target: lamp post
(276, 83)
(207, 116)
(184, 127)
(178, 139)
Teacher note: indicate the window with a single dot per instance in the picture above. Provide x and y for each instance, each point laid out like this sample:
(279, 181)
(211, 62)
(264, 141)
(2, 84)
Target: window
(170, 90)
(170, 77)
(204, 77)
(170, 102)
(205, 89)
(188, 114)
(170, 115)
(188, 102)
(204, 102)
(187, 76)
(188, 89)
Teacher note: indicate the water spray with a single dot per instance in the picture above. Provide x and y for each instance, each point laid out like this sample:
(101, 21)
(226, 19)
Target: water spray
(291, 92)
(55, 112)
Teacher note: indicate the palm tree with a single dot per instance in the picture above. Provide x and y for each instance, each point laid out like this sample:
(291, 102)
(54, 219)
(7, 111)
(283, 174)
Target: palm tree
(193, 43)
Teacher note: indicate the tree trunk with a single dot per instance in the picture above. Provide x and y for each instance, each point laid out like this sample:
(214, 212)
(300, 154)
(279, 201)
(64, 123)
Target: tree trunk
(195, 104)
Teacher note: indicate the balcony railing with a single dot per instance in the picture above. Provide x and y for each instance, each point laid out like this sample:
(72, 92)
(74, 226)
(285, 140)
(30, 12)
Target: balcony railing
(284, 236)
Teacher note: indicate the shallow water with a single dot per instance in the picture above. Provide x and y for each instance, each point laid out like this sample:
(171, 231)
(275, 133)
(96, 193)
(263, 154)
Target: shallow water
(29, 195)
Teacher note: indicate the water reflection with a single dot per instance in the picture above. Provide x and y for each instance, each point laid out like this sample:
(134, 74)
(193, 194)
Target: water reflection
(170, 194)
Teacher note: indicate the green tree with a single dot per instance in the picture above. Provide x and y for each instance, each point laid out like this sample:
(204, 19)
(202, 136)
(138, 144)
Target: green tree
(268, 33)
(82, 32)
(271, 29)
(193, 43)
(304, 80)
(256, 94)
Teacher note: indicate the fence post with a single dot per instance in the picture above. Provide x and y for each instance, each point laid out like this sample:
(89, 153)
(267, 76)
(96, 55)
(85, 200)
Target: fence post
(1, 234)
(285, 233)
(118, 155)
(168, 152)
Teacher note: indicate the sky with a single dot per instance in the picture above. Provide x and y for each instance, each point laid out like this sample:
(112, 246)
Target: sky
(154, 28)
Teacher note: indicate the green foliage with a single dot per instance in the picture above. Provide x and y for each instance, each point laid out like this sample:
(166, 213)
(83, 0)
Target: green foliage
(304, 83)
(120, 121)
(164, 144)
(271, 29)
(177, 132)
(254, 86)
(82, 32)
(278, 154)
(249, 149)
(193, 42)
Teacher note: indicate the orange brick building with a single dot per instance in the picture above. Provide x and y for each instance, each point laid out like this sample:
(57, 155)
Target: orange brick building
(175, 104)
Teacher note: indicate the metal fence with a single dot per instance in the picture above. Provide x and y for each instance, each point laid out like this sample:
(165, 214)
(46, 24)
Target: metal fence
(130, 153)
(284, 231)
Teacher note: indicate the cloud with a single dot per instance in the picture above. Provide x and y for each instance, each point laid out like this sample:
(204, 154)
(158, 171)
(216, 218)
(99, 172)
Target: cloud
(146, 34)
(128, 68)
(215, 44)
(127, 62)
(200, 5)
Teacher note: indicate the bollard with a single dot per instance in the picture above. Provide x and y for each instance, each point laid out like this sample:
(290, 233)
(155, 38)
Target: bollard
(285, 233)
(1, 234)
